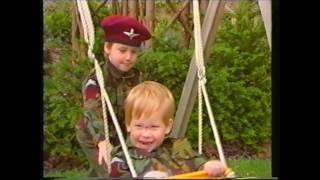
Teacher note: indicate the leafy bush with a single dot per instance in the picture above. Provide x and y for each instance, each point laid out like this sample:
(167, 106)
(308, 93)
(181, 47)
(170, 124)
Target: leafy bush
(166, 39)
(239, 80)
(57, 23)
(62, 104)
(169, 68)
(63, 80)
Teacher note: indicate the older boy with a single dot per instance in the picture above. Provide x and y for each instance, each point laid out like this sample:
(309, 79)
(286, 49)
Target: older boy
(123, 38)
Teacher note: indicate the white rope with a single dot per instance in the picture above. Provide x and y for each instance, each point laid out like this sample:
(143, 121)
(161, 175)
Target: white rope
(89, 39)
(200, 119)
(213, 125)
(201, 75)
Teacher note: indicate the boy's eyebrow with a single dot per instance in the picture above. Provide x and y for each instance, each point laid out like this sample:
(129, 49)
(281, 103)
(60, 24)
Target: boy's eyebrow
(123, 47)
(129, 47)
(138, 123)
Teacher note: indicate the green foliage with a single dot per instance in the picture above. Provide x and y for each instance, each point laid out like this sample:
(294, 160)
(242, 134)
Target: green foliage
(63, 80)
(239, 80)
(97, 16)
(57, 23)
(62, 104)
(169, 68)
(74, 174)
(166, 39)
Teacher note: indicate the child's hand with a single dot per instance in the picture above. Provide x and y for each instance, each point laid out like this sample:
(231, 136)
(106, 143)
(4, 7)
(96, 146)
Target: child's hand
(214, 168)
(104, 154)
(156, 175)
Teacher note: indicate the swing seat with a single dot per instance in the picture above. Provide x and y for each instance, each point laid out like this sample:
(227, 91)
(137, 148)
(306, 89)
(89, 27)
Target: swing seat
(229, 174)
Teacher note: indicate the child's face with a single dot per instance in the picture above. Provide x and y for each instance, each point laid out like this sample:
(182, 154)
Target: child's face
(148, 133)
(123, 57)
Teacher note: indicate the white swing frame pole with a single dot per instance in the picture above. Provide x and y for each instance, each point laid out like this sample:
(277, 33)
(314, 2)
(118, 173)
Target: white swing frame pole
(265, 8)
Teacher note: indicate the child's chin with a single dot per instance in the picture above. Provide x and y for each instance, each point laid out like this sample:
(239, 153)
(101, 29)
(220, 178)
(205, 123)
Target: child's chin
(148, 149)
(125, 68)
(152, 148)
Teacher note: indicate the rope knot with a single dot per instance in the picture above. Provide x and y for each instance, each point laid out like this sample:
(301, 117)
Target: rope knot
(91, 55)
(201, 76)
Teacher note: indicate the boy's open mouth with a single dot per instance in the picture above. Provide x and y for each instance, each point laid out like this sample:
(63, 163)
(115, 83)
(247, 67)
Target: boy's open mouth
(145, 143)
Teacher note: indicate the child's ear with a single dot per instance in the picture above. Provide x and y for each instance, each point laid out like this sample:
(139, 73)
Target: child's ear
(169, 127)
(128, 128)
(106, 48)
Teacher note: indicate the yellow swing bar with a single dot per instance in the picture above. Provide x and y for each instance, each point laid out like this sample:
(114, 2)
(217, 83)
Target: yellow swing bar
(202, 175)
(193, 175)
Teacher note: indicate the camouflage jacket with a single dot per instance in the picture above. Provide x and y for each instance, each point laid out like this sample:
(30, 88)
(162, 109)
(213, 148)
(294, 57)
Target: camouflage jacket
(117, 85)
(174, 156)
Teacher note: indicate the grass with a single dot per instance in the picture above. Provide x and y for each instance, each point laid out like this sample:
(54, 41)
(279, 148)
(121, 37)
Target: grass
(242, 167)
(67, 174)
(251, 167)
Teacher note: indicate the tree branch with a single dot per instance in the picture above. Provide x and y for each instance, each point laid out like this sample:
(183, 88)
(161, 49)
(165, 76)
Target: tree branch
(94, 13)
(177, 15)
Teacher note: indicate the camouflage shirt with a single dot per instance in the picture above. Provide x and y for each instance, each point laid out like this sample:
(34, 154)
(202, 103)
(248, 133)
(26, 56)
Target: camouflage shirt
(117, 85)
(174, 156)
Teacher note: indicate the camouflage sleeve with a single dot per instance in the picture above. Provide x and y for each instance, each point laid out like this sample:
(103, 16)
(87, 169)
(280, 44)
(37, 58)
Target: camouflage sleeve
(119, 167)
(183, 152)
(141, 161)
(92, 109)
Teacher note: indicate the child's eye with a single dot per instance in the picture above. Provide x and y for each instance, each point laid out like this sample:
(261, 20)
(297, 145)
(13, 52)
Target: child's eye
(138, 125)
(134, 52)
(154, 127)
(122, 50)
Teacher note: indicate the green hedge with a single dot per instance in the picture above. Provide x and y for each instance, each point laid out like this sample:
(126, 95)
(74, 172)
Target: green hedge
(239, 78)
(57, 23)
(62, 105)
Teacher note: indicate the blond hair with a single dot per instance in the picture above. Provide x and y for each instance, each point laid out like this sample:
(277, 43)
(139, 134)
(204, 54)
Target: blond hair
(147, 98)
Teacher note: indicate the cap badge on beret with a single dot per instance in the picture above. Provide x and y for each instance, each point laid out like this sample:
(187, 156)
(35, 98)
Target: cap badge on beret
(131, 34)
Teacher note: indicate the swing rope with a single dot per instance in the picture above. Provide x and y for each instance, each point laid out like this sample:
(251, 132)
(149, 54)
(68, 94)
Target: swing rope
(200, 70)
(88, 30)
(202, 88)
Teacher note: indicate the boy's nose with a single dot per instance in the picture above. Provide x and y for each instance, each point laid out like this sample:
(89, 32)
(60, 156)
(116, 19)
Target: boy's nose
(129, 57)
(146, 132)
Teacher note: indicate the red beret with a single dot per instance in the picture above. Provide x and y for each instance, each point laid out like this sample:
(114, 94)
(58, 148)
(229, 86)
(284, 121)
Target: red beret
(125, 30)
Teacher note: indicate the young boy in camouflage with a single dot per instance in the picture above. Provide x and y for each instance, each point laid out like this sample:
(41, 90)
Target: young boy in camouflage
(123, 38)
(149, 110)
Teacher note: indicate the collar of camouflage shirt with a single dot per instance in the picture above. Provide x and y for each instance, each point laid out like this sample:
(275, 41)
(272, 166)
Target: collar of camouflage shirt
(142, 154)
